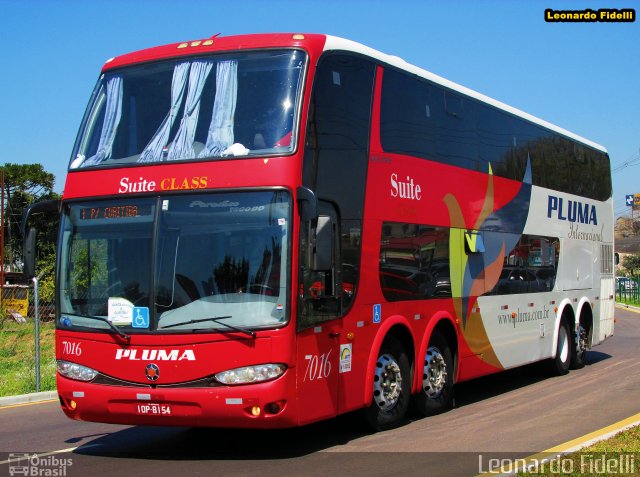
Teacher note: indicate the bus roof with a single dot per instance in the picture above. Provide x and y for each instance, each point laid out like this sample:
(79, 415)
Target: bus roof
(313, 42)
(317, 43)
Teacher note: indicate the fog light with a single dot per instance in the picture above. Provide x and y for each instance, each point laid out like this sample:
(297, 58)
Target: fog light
(255, 411)
(73, 404)
(272, 408)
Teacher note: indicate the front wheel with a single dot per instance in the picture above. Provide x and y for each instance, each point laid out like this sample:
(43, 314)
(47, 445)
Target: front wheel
(436, 393)
(391, 387)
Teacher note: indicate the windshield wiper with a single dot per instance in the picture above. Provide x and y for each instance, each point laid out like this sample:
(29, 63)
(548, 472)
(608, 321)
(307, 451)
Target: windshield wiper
(122, 334)
(215, 319)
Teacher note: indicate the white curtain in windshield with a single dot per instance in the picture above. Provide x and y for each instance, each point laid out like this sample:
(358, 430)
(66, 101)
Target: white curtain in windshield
(182, 146)
(111, 120)
(153, 151)
(220, 135)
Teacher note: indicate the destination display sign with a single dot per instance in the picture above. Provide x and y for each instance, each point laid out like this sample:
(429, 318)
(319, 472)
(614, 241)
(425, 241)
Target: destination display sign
(115, 212)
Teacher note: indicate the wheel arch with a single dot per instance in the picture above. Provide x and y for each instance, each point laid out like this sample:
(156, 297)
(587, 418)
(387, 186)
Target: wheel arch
(585, 318)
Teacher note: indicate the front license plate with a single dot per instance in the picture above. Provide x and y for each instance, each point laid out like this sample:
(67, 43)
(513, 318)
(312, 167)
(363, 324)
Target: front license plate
(153, 409)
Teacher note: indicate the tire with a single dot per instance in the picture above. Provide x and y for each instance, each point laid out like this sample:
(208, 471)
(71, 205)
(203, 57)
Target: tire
(391, 387)
(580, 344)
(564, 351)
(436, 392)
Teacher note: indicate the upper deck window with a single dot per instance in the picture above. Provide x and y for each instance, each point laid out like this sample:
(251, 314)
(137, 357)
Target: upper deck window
(245, 104)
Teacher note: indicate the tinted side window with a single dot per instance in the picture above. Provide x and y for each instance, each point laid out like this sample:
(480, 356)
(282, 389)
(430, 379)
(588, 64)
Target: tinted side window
(498, 143)
(337, 152)
(338, 132)
(530, 267)
(566, 166)
(414, 262)
(423, 119)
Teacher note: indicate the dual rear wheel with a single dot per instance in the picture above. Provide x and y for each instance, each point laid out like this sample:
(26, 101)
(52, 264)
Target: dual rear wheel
(393, 373)
(571, 349)
(392, 383)
(436, 394)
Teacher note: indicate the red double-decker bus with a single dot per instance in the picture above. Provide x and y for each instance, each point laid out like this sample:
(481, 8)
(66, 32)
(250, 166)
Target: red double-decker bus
(269, 230)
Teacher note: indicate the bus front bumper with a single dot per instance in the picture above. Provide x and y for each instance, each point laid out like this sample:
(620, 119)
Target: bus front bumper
(263, 405)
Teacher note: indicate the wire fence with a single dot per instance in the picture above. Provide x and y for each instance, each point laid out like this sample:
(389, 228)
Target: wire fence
(19, 304)
(27, 344)
(628, 290)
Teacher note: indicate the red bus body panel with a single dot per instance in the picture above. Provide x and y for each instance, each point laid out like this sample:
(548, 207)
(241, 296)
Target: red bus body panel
(312, 388)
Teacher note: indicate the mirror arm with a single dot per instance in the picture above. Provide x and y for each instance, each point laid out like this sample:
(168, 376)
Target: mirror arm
(44, 206)
(307, 204)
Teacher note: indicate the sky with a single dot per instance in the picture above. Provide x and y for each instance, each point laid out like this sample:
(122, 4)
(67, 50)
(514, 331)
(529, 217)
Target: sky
(583, 77)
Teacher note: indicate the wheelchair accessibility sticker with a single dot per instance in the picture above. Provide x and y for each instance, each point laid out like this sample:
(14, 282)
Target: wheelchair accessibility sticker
(140, 317)
(377, 313)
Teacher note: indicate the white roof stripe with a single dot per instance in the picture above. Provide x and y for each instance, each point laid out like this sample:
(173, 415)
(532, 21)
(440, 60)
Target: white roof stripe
(336, 43)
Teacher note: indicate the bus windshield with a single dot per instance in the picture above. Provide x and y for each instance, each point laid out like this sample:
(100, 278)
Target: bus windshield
(245, 104)
(178, 263)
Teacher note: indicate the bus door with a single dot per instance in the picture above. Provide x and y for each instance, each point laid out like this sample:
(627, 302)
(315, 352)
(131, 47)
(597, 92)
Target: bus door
(319, 322)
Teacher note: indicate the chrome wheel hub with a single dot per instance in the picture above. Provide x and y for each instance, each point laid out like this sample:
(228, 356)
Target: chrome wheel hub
(387, 382)
(582, 340)
(434, 375)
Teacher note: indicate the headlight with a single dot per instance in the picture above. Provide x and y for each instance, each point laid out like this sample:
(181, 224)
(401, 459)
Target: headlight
(251, 374)
(75, 371)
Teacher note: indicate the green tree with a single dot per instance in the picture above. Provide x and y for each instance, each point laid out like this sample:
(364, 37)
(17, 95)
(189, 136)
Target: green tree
(632, 263)
(23, 185)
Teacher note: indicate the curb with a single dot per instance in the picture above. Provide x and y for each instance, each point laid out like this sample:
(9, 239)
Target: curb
(28, 398)
(569, 447)
(624, 306)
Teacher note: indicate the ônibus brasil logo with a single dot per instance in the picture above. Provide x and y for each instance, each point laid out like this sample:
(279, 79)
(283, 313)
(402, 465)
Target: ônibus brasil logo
(155, 354)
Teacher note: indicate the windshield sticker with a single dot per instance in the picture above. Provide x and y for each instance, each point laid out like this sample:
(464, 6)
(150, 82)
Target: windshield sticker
(345, 358)
(140, 317)
(279, 312)
(120, 311)
(282, 222)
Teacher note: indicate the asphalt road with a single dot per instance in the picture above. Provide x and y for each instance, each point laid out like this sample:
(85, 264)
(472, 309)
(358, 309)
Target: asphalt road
(513, 414)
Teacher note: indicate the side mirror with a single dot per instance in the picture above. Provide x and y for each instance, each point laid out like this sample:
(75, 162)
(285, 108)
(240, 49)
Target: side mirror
(616, 258)
(29, 253)
(29, 244)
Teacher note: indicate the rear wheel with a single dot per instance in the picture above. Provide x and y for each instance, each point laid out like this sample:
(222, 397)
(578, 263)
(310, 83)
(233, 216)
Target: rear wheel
(436, 394)
(581, 343)
(391, 387)
(560, 364)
